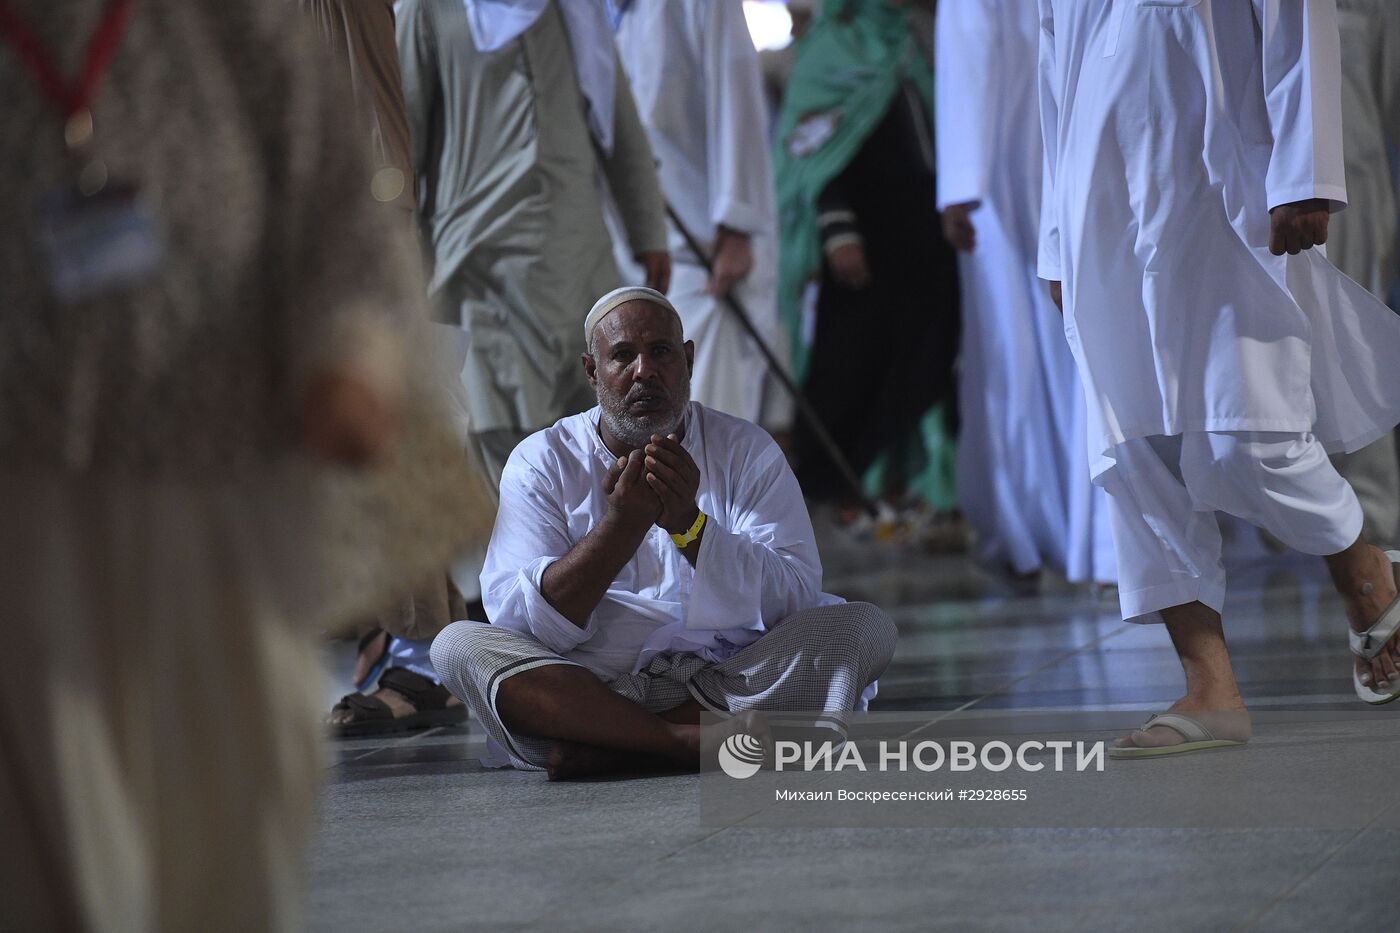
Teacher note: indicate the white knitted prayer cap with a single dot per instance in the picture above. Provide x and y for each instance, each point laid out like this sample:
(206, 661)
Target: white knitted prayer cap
(620, 296)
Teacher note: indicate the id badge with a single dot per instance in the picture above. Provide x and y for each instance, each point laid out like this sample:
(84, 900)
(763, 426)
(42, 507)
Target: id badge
(98, 244)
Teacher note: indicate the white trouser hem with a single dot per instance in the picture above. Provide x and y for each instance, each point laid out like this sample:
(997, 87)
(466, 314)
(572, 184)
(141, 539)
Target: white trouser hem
(1333, 542)
(1145, 606)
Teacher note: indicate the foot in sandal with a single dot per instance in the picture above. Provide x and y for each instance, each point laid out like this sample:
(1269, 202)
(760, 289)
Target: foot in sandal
(1212, 713)
(405, 702)
(1365, 578)
(1182, 730)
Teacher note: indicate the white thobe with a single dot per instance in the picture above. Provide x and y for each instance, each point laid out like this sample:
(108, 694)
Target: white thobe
(1023, 411)
(757, 565)
(1172, 128)
(699, 91)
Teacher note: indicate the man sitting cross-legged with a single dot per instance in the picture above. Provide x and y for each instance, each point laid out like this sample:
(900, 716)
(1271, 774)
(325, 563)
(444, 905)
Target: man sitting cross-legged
(652, 559)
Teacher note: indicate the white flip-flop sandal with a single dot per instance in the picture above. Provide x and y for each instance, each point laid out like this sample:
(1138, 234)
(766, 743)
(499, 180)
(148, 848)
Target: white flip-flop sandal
(1197, 738)
(1366, 645)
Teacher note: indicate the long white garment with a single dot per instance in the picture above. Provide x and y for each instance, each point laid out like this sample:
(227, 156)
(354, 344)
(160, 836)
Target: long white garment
(1166, 490)
(699, 90)
(757, 564)
(1172, 128)
(1022, 442)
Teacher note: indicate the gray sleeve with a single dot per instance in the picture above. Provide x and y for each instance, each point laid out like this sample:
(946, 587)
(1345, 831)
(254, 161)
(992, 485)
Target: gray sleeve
(1389, 73)
(631, 173)
(419, 71)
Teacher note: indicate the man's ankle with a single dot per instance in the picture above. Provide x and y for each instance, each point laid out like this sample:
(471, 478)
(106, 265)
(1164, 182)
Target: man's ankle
(685, 741)
(1212, 693)
(1354, 571)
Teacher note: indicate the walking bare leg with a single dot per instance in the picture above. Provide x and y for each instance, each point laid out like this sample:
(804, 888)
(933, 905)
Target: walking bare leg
(1366, 582)
(1212, 694)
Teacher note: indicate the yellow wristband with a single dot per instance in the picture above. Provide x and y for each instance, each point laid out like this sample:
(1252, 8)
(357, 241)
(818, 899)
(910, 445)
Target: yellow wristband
(693, 533)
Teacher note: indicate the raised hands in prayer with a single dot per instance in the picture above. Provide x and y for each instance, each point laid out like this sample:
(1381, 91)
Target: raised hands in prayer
(674, 477)
(656, 484)
(630, 496)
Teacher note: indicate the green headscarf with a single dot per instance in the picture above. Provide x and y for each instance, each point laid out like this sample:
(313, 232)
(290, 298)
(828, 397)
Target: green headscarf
(849, 65)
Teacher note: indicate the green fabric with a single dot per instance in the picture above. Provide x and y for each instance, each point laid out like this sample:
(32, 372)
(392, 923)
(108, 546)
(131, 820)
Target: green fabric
(937, 482)
(932, 467)
(850, 62)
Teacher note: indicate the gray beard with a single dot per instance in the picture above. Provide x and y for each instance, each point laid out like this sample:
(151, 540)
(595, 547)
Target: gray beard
(634, 431)
(637, 432)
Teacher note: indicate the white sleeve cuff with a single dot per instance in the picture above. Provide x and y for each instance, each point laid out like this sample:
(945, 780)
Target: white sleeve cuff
(744, 218)
(1336, 194)
(961, 188)
(546, 624)
(718, 601)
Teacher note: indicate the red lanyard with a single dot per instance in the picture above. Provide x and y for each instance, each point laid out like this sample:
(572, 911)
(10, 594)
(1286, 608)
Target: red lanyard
(68, 98)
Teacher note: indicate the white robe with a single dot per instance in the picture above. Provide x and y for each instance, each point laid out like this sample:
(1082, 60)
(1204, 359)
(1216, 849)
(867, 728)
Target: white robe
(699, 91)
(1023, 413)
(758, 560)
(1172, 128)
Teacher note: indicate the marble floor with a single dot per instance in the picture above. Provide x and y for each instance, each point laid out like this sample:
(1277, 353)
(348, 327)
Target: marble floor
(415, 835)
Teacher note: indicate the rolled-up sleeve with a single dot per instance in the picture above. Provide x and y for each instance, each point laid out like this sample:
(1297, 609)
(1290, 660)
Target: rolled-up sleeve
(530, 534)
(758, 563)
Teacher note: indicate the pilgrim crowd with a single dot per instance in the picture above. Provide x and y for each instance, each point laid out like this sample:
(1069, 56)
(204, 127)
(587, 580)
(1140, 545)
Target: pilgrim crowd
(523, 338)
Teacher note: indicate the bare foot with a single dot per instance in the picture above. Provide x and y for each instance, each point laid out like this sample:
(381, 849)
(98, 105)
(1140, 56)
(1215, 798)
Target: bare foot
(1224, 718)
(570, 761)
(574, 760)
(1364, 608)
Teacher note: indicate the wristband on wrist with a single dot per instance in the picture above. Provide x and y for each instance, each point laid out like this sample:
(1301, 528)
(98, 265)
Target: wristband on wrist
(692, 533)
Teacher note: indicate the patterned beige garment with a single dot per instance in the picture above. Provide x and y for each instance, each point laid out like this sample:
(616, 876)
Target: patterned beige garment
(239, 132)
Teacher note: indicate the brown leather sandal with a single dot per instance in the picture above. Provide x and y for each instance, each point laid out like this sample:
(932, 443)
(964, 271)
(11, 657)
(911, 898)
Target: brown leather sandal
(372, 716)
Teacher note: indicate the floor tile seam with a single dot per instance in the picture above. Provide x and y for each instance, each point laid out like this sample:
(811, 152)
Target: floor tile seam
(1253, 923)
(1024, 677)
(739, 823)
(1341, 847)
(564, 910)
(401, 741)
(970, 703)
(345, 761)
